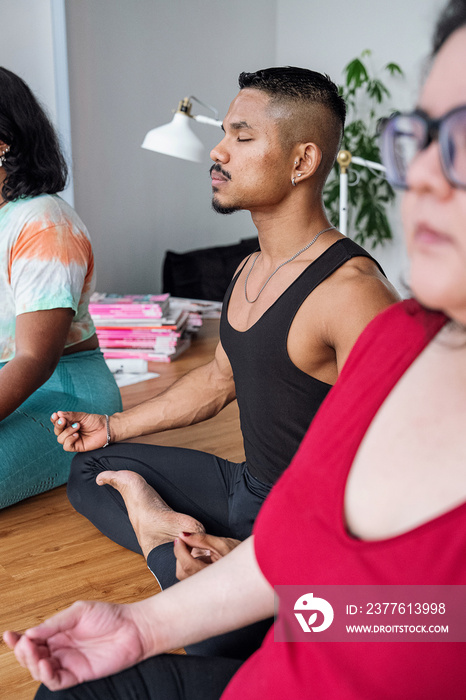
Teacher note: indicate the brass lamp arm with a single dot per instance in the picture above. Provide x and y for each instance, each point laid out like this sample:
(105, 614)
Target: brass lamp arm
(344, 160)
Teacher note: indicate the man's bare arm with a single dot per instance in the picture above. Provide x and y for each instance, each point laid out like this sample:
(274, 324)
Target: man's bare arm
(199, 395)
(361, 297)
(332, 318)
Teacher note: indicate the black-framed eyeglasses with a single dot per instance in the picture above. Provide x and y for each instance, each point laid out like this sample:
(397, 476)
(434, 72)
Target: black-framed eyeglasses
(404, 136)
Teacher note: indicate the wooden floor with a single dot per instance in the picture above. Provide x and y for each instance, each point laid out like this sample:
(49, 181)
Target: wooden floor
(50, 556)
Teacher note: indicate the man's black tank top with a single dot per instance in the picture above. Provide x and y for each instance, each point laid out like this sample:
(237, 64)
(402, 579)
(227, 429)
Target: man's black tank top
(277, 401)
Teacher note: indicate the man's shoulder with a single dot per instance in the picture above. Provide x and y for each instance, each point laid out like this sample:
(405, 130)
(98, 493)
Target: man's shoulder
(359, 267)
(349, 299)
(360, 278)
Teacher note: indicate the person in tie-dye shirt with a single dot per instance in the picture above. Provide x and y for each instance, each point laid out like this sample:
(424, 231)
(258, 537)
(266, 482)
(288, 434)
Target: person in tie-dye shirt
(49, 351)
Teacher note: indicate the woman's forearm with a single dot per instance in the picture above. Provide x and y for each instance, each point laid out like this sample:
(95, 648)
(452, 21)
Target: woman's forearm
(19, 378)
(39, 341)
(227, 595)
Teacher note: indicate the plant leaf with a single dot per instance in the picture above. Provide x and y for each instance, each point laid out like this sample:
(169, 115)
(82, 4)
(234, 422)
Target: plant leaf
(356, 73)
(394, 69)
(368, 198)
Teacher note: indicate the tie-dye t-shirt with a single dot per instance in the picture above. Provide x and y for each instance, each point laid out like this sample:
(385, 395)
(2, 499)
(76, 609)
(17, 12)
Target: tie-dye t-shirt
(46, 262)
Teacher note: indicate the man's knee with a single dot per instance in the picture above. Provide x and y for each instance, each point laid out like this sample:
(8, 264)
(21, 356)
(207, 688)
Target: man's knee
(83, 472)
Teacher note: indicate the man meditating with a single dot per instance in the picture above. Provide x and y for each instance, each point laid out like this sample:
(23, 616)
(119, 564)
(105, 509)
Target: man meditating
(290, 317)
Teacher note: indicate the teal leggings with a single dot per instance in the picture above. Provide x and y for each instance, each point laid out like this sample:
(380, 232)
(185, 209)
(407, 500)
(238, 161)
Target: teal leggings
(31, 460)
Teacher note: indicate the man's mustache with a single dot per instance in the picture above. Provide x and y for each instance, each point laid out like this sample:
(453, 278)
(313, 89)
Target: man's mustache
(219, 169)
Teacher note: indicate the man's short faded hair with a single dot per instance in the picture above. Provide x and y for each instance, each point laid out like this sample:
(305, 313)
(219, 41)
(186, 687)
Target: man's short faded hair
(308, 106)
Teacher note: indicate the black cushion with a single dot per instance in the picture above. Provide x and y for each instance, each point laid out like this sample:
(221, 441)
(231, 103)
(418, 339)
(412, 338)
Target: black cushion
(204, 273)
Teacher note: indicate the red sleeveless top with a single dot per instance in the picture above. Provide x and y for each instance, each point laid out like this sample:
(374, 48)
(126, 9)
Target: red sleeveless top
(300, 539)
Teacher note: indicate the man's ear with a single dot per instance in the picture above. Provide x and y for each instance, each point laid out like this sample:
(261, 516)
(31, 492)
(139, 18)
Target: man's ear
(308, 161)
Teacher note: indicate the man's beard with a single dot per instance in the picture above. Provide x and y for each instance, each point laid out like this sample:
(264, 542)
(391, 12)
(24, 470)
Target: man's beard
(216, 206)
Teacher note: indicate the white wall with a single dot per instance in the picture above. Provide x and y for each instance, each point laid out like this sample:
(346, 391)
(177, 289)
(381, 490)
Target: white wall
(325, 36)
(130, 63)
(26, 46)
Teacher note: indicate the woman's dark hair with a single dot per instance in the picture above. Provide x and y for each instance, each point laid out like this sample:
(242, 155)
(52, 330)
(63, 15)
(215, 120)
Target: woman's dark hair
(452, 18)
(34, 164)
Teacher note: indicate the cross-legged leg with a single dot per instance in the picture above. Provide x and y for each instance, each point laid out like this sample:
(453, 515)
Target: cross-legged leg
(153, 521)
(220, 495)
(181, 482)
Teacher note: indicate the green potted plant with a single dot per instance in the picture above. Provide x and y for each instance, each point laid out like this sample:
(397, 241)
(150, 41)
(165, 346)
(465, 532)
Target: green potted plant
(366, 97)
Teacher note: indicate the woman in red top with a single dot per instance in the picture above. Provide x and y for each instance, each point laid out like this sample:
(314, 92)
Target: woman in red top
(375, 495)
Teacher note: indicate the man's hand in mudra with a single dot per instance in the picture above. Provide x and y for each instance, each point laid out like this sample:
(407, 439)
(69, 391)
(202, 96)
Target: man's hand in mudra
(195, 551)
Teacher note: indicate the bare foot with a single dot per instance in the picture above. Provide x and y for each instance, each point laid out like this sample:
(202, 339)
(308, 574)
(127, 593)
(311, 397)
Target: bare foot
(154, 522)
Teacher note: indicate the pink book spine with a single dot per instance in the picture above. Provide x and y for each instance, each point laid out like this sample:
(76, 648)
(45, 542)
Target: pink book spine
(125, 310)
(98, 298)
(128, 333)
(139, 344)
(128, 354)
(142, 355)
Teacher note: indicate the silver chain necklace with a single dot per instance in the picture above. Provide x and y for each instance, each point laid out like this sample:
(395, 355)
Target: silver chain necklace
(251, 301)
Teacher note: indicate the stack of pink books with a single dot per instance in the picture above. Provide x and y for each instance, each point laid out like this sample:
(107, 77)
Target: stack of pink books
(197, 310)
(139, 326)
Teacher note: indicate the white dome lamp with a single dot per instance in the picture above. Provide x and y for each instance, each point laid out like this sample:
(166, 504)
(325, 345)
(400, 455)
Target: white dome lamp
(176, 138)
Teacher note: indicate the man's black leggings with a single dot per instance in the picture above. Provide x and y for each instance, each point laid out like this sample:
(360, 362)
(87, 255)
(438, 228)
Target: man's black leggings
(222, 495)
